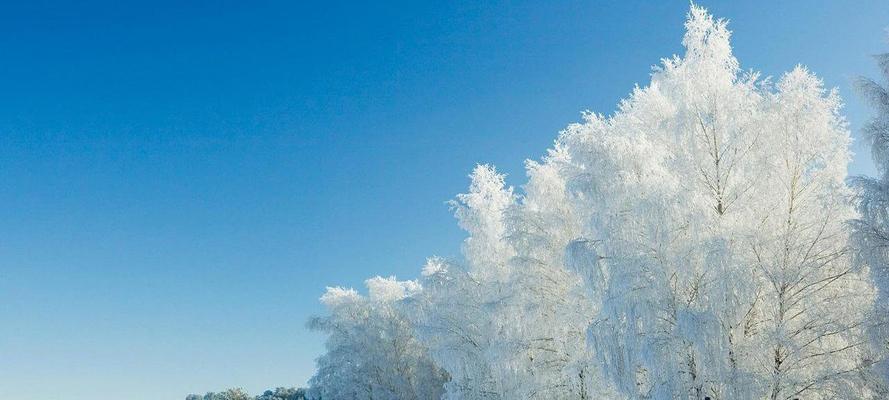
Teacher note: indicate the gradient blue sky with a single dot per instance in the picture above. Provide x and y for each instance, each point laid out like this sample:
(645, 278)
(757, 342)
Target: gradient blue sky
(179, 182)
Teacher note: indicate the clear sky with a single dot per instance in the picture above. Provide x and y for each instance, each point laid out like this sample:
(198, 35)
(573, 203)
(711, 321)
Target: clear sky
(179, 182)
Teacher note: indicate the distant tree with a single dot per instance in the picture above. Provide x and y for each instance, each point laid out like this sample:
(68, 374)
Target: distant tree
(280, 393)
(236, 394)
(283, 394)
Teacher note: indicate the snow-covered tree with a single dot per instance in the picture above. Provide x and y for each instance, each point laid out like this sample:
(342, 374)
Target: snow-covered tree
(372, 351)
(282, 393)
(459, 314)
(714, 233)
(694, 244)
(510, 322)
(229, 394)
(872, 228)
(279, 393)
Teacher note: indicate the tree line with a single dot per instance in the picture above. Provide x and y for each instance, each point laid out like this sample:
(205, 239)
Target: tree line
(702, 242)
(280, 393)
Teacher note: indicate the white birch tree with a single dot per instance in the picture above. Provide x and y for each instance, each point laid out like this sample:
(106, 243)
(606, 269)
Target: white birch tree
(510, 322)
(693, 244)
(717, 237)
(372, 352)
(871, 230)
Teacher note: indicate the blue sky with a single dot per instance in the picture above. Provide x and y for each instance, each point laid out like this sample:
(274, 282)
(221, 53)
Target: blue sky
(179, 182)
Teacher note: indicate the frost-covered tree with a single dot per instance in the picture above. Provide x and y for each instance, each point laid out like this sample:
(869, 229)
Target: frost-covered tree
(459, 311)
(714, 233)
(872, 228)
(694, 244)
(509, 322)
(282, 393)
(372, 351)
(229, 394)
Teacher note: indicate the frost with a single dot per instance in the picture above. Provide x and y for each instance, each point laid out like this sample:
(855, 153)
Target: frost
(693, 244)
